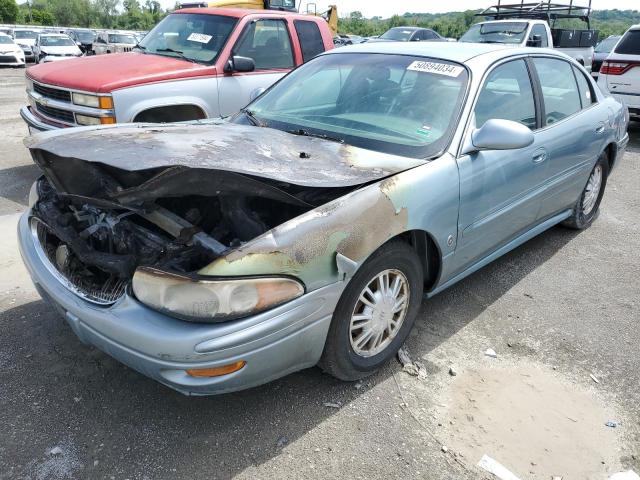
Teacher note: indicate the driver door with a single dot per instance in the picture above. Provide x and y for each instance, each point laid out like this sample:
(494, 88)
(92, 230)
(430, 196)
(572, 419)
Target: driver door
(268, 43)
(500, 189)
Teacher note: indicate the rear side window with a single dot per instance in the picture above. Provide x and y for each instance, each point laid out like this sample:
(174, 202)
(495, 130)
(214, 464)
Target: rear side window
(559, 89)
(630, 43)
(587, 96)
(310, 39)
(508, 95)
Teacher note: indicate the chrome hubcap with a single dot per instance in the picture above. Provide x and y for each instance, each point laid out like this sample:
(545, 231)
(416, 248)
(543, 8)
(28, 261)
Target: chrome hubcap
(379, 313)
(592, 190)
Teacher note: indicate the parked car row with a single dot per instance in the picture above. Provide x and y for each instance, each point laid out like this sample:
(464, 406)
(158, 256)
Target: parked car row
(88, 41)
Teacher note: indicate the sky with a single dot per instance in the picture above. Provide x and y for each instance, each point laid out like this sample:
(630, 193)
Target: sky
(387, 8)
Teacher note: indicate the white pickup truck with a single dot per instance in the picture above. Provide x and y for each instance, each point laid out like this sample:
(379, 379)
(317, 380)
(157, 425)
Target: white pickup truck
(528, 25)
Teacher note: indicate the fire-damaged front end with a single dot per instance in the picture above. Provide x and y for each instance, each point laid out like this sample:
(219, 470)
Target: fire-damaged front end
(209, 257)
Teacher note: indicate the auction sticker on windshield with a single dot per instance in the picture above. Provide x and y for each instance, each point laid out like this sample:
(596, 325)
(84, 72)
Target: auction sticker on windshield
(434, 67)
(199, 37)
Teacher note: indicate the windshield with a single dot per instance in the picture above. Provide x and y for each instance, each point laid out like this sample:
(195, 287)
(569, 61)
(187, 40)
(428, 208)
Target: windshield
(195, 36)
(398, 34)
(122, 38)
(56, 42)
(25, 34)
(394, 104)
(499, 32)
(85, 37)
(5, 39)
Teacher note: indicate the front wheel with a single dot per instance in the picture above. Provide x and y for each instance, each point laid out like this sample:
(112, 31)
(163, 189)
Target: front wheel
(587, 207)
(375, 313)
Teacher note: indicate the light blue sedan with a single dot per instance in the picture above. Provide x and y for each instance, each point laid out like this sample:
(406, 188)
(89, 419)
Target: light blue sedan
(309, 228)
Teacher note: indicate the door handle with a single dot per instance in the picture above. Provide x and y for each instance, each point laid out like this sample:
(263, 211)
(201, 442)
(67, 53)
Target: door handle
(600, 129)
(539, 156)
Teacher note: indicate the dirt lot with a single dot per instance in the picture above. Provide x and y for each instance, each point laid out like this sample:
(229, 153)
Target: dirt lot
(561, 312)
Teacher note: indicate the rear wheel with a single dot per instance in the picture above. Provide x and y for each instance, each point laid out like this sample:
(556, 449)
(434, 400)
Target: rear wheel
(375, 313)
(587, 207)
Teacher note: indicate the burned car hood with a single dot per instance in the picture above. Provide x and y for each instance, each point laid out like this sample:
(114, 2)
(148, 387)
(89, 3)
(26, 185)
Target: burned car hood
(247, 150)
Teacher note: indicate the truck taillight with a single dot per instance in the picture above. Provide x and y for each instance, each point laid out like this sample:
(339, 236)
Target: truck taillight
(615, 68)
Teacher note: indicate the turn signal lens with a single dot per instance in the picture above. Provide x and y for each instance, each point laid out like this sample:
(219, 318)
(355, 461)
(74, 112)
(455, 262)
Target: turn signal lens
(107, 120)
(216, 371)
(106, 102)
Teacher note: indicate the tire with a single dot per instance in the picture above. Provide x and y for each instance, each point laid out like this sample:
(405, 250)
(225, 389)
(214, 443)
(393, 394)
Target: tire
(341, 358)
(587, 207)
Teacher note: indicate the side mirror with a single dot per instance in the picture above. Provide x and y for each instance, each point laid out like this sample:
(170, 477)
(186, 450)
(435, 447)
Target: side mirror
(239, 64)
(497, 134)
(535, 41)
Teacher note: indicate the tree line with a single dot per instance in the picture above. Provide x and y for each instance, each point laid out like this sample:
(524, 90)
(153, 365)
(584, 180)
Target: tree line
(126, 15)
(144, 14)
(455, 24)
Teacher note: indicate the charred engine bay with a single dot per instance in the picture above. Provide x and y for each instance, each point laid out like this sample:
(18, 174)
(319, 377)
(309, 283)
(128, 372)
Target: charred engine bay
(97, 224)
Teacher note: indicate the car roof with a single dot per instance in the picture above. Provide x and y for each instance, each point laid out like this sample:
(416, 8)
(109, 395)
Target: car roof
(242, 12)
(453, 51)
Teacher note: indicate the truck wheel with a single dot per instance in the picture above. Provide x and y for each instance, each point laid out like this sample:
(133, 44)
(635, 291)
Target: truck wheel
(587, 207)
(375, 313)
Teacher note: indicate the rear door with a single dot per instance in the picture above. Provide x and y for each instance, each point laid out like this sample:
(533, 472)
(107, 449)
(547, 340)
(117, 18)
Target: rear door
(572, 131)
(268, 42)
(621, 70)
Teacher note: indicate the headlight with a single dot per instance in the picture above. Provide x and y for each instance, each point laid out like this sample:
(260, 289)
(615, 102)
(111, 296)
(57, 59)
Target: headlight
(94, 101)
(203, 300)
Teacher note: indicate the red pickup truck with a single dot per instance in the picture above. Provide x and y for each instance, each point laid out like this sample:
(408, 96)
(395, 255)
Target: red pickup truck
(196, 63)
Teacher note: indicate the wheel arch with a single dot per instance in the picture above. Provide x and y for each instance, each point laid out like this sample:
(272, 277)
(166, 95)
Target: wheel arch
(611, 151)
(428, 251)
(180, 112)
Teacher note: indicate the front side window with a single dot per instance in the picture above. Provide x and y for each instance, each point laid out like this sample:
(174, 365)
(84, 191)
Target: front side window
(507, 94)
(559, 89)
(630, 43)
(310, 39)
(194, 36)
(541, 32)
(268, 43)
(394, 104)
(499, 32)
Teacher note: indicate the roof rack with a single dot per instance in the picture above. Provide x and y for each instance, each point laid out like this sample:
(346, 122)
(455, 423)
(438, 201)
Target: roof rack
(543, 9)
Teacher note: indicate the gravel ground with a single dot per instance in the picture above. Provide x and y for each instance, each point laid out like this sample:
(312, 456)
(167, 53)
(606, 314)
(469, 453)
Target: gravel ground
(560, 311)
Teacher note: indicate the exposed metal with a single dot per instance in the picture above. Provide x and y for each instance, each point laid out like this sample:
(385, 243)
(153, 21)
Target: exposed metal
(379, 313)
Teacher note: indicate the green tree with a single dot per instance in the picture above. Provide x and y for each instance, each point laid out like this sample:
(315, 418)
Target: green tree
(8, 11)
